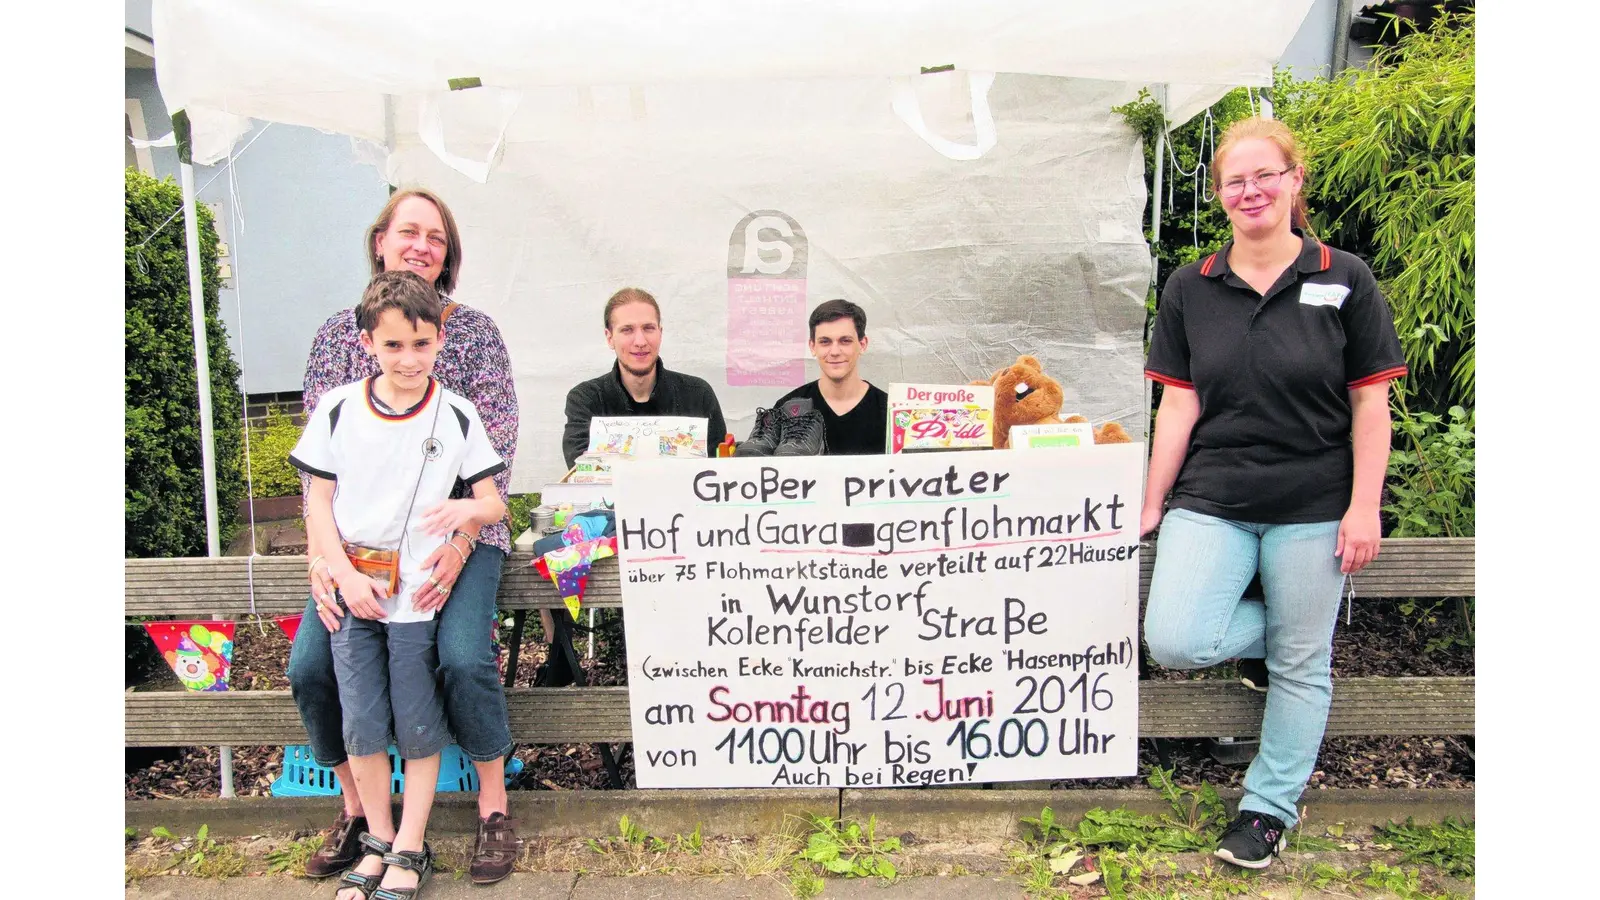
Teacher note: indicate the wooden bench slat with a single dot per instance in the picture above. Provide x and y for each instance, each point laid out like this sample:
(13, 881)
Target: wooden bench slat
(1411, 567)
(1361, 706)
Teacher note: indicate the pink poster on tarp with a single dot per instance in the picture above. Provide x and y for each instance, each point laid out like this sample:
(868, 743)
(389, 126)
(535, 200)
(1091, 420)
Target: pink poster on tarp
(767, 258)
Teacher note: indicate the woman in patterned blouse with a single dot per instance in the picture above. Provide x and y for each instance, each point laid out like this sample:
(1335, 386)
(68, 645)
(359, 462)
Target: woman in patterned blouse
(415, 232)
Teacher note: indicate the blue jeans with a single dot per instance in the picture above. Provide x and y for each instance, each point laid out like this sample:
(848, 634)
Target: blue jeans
(1196, 617)
(474, 701)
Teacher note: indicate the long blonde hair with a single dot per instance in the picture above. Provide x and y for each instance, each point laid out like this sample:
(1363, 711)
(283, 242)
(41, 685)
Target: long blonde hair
(1279, 134)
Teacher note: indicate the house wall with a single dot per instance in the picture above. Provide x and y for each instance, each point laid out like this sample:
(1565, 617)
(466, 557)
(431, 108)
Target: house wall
(1310, 53)
(297, 257)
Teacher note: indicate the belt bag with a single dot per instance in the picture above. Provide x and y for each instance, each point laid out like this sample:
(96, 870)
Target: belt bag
(382, 566)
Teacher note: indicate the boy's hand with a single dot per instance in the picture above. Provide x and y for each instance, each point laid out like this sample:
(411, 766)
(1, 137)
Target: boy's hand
(359, 592)
(449, 516)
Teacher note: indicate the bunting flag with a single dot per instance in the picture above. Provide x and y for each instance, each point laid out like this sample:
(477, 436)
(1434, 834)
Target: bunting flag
(200, 653)
(289, 624)
(568, 568)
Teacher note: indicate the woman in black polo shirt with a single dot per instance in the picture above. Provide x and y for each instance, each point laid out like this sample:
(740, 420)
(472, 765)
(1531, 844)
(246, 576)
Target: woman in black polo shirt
(1272, 438)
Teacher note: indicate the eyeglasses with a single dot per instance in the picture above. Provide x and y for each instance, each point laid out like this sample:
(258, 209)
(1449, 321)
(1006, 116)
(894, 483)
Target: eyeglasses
(1234, 188)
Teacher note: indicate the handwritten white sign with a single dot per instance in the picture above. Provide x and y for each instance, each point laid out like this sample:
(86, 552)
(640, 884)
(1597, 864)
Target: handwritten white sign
(643, 436)
(941, 618)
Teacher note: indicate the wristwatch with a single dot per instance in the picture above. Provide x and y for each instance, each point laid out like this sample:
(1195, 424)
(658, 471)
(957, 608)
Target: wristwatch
(471, 544)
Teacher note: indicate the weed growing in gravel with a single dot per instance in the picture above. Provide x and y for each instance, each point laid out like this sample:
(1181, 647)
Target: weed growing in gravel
(846, 848)
(1395, 881)
(1123, 848)
(1449, 845)
(198, 856)
(291, 857)
(804, 882)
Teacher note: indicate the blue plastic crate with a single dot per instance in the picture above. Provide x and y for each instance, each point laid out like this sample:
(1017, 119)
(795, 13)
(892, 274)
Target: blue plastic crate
(302, 777)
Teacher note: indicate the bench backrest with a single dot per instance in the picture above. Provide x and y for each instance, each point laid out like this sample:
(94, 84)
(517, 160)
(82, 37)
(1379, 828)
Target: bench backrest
(223, 587)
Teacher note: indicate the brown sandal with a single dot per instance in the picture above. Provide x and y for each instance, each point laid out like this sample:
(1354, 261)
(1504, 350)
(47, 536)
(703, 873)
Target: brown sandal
(367, 884)
(340, 848)
(494, 853)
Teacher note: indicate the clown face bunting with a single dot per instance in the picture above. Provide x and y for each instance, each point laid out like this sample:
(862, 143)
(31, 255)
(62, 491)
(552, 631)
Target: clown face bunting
(200, 653)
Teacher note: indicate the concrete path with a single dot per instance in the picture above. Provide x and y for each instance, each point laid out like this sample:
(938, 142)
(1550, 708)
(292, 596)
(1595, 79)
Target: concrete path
(569, 886)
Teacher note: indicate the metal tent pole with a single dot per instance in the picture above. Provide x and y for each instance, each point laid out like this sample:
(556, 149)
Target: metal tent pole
(1341, 37)
(202, 364)
(1155, 192)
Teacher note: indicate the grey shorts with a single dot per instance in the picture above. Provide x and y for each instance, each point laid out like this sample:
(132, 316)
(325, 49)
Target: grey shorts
(389, 692)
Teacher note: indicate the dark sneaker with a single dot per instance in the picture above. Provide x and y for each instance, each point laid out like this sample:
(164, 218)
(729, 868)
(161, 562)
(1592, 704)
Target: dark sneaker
(340, 847)
(795, 407)
(495, 851)
(804, 435)
(764, 435)
(1253, 674)
(1252, 840)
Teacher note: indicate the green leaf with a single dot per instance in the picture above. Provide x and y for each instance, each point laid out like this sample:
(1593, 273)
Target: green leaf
(837, 866)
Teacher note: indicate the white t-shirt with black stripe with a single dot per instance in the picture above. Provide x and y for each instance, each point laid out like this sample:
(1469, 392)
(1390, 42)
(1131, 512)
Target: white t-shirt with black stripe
(391, 468)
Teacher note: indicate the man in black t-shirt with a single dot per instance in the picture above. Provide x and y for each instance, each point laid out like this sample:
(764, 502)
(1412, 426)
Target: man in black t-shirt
(855, 413)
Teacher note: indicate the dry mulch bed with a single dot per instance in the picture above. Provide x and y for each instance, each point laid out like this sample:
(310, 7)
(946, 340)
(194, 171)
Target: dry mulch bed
(1378, 641)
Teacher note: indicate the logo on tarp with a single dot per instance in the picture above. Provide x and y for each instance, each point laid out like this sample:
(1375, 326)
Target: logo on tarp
(200, 653)
(767, 259)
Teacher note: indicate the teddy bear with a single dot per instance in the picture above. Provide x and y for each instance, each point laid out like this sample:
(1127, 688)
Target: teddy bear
(1024, 395)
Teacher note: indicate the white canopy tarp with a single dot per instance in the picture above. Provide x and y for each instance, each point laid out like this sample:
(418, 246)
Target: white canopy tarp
(332, 65)
(744, 162)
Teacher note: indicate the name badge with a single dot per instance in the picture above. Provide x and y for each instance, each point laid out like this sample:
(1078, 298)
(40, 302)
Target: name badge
(1324, 295)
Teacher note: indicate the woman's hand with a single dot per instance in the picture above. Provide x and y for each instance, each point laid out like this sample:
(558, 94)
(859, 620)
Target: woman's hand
(322, 588)
(1359, 536)
(444, 566)
(1149, 518)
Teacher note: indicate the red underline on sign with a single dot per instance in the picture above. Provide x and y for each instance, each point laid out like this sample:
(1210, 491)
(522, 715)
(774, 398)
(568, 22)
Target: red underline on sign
(1081, 537)
(654, 559)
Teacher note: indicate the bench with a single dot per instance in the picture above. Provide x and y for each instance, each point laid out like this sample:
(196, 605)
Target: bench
(221, 587)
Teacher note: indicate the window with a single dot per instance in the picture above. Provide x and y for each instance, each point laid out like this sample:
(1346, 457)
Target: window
(134, 121)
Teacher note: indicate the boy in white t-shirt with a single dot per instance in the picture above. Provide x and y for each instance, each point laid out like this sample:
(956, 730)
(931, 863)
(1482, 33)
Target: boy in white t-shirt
(384, 454)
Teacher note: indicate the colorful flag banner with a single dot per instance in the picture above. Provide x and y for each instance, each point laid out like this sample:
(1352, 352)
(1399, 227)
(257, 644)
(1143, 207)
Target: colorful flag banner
(289, 624)
(200, 653)
(568, 568)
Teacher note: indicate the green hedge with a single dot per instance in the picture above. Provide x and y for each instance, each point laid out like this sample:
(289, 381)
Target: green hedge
(164, 497)
(270, 444)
